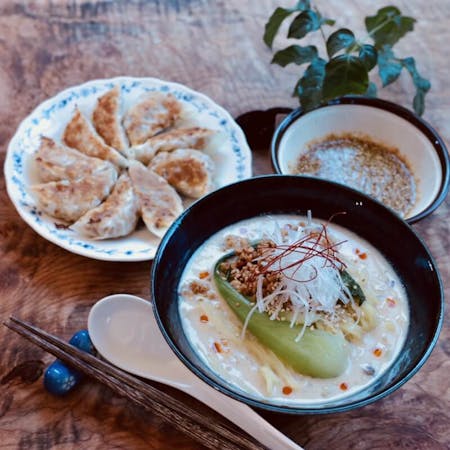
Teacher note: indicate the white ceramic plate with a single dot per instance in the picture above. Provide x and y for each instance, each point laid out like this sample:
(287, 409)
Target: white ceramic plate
(232, 158)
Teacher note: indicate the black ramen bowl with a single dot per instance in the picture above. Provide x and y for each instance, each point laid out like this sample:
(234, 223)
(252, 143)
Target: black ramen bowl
(414, 140)
(284, 194)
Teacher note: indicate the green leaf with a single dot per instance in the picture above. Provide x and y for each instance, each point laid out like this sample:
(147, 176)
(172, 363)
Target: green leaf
(340, 39)
(422, 85)
(368, 55)
(303, 24)
(345, 74)
(303, 5)
(326, 21)
(389, 67)
(297, 88)
(295, 54)
(309, 87)
(274, 23)
(419, 103)
(388, 26)
(371, 90)
(277, 18)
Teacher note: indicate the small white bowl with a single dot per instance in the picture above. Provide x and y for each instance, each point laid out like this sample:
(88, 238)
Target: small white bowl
(417, 142)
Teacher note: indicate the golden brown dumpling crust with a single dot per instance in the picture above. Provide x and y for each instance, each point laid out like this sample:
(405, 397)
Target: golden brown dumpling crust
(117, 216)
(159, 203)
(195, 137)
(154, 113)
(106, 119)
(56, 162)
(81, 135)
(188, 171)
(70, 199)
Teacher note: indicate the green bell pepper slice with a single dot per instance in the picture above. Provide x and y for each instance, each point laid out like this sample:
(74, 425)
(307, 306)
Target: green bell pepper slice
(319, 354)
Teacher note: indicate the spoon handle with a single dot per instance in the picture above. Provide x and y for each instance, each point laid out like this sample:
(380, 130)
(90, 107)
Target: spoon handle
(241, 415)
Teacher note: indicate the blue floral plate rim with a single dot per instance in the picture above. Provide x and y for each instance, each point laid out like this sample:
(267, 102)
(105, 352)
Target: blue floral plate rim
(49, 118)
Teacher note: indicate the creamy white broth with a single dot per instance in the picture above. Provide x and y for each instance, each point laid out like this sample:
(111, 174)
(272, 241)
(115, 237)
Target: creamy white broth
(215, 332)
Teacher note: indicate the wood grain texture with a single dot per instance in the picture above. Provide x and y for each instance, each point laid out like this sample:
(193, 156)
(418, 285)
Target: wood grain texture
(214, 47)
(211, 433)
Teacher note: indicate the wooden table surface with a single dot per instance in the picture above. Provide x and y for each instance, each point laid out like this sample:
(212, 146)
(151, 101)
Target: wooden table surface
(214, 47)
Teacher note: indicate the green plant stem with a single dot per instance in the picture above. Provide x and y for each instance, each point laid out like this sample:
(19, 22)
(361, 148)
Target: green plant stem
(320, 27)
(357, 45)
(362, 41)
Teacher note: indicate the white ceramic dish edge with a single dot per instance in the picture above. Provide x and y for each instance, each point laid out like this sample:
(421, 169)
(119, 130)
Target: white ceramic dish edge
(234, 160)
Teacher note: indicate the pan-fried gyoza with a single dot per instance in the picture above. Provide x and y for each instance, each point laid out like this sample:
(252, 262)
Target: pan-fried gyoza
(77, 174)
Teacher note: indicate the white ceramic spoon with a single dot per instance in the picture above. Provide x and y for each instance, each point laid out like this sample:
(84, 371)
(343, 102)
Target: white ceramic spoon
(124, 331)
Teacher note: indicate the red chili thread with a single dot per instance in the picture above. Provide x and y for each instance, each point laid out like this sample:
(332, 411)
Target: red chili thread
(315, 244)
(391, 302)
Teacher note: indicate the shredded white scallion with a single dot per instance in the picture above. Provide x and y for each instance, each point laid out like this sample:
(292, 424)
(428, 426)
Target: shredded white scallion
(310, 280)
(259, 293)
(309, 216)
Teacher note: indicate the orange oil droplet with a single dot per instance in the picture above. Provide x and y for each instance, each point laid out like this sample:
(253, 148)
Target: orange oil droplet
(204, 318)
(343, 386)
(287, 390)
(378, 352)
(203, 275)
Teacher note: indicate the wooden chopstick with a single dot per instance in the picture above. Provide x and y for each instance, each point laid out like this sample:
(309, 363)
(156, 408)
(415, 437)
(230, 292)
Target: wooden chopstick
(210, 433)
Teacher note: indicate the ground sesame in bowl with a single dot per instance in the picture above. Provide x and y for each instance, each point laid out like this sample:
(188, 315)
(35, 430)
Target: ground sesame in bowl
(361, 163)
(371, 145)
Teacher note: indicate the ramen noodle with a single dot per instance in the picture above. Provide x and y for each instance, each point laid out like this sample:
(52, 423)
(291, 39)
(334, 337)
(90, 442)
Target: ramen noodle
(292, 311)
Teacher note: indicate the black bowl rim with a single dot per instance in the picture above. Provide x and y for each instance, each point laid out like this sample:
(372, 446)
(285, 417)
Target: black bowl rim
(404, 113)
(294, 410)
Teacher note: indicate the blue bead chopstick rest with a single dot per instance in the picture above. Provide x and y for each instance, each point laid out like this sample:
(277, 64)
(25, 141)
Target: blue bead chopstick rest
(60, 379)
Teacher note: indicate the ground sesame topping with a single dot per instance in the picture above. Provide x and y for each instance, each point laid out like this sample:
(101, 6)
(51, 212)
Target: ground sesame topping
(366, 165)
